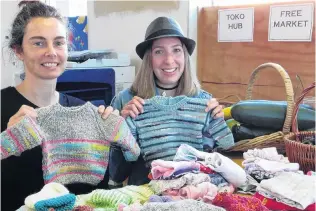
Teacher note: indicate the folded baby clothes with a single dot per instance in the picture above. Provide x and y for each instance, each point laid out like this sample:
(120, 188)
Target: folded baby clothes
(159, 186)
(188, 153)
(204, 191)
(249, 187)
(156, 198)
(270, 166)
(269, 153)
(231, 171)
(234, 202)
(272, 204)
(217, 179)
(182, 205)
(83, 208)
(52, 195)
(112, 198)
(161, 169)
(293, 189)
(132, 207)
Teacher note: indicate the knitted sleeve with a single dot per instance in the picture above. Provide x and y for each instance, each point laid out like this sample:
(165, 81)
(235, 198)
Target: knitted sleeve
(204, 94)
(132, 126)
(117, 132)
(20, 137)
(216, 134)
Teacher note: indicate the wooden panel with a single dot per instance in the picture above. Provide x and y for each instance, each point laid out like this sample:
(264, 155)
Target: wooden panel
(225, 68)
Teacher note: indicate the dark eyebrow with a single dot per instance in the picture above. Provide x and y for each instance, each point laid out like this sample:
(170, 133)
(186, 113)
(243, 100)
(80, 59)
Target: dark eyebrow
(176, 45)
(59, 37)
(37, 38)
(43, 38)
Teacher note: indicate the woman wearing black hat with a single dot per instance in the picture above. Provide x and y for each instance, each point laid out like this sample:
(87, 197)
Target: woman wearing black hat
(165, 71)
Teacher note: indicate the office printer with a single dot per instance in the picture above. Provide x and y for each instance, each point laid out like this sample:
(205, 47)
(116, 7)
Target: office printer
(96, 75)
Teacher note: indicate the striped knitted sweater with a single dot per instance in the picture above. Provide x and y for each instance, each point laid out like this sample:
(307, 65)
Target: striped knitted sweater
(75, 142)
(168, 122)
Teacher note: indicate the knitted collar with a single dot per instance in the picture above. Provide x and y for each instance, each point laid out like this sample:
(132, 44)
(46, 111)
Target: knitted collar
(169, 103)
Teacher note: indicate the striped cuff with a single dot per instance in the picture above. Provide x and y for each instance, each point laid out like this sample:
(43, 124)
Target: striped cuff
(22, 136)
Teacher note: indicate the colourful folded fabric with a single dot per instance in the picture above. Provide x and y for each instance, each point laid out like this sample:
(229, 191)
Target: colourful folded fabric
(233, 202)
(275, 205)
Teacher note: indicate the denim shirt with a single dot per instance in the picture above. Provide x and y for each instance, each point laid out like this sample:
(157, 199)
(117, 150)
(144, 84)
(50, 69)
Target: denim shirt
(123, 97)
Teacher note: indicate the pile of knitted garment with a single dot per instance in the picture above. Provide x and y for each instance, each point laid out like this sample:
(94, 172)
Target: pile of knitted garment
(195, 175)
(266, 163)
(208, 178)
(110, 199)
(52, 196)
(216, 162)
(292, 190)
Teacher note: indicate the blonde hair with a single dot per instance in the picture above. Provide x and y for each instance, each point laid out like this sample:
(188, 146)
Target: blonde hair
(144, 83)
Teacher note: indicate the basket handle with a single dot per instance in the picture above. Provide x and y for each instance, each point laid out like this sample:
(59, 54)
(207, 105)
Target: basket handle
(288, 88)
(297, 106)
(229, 96)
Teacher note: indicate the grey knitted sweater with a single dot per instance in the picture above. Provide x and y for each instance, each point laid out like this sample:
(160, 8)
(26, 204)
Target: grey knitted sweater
(75, 142)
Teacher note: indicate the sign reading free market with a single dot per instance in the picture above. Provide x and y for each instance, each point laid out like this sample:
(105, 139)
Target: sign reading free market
(291, 22)
(235, 25)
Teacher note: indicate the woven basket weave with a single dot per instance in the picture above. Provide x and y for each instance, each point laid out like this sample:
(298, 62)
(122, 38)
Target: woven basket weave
(227, 103)
(275, 139)
(297, 152)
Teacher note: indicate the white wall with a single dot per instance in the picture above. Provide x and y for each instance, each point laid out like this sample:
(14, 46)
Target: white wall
(123, 31)
(194, 7)
(62, 6)
(8, 11)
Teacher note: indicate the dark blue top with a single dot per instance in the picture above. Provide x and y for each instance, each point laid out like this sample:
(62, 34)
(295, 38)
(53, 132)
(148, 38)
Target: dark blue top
(12, 100)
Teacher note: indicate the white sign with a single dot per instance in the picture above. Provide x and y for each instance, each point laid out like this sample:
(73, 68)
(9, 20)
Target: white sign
(235, 25)
(291, 22)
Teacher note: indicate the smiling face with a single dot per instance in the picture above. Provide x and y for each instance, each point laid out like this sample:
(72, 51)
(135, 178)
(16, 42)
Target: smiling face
(168, 61)
(44, 48)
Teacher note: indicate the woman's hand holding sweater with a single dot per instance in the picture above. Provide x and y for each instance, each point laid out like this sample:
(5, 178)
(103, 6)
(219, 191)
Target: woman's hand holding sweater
(133, 108)
(23, 111)
(217, 110)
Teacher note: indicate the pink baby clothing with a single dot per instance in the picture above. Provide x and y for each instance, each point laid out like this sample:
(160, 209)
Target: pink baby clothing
(204, 191)
(170, 169)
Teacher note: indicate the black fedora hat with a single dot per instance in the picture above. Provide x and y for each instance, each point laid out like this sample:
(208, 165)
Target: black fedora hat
(163, 27)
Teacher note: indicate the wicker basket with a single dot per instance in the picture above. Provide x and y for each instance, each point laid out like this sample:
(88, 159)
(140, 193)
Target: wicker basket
(227, 103)
(274, 139)
(297, 152)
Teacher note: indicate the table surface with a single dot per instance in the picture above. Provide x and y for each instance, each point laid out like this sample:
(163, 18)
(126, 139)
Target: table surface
(237, 157)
